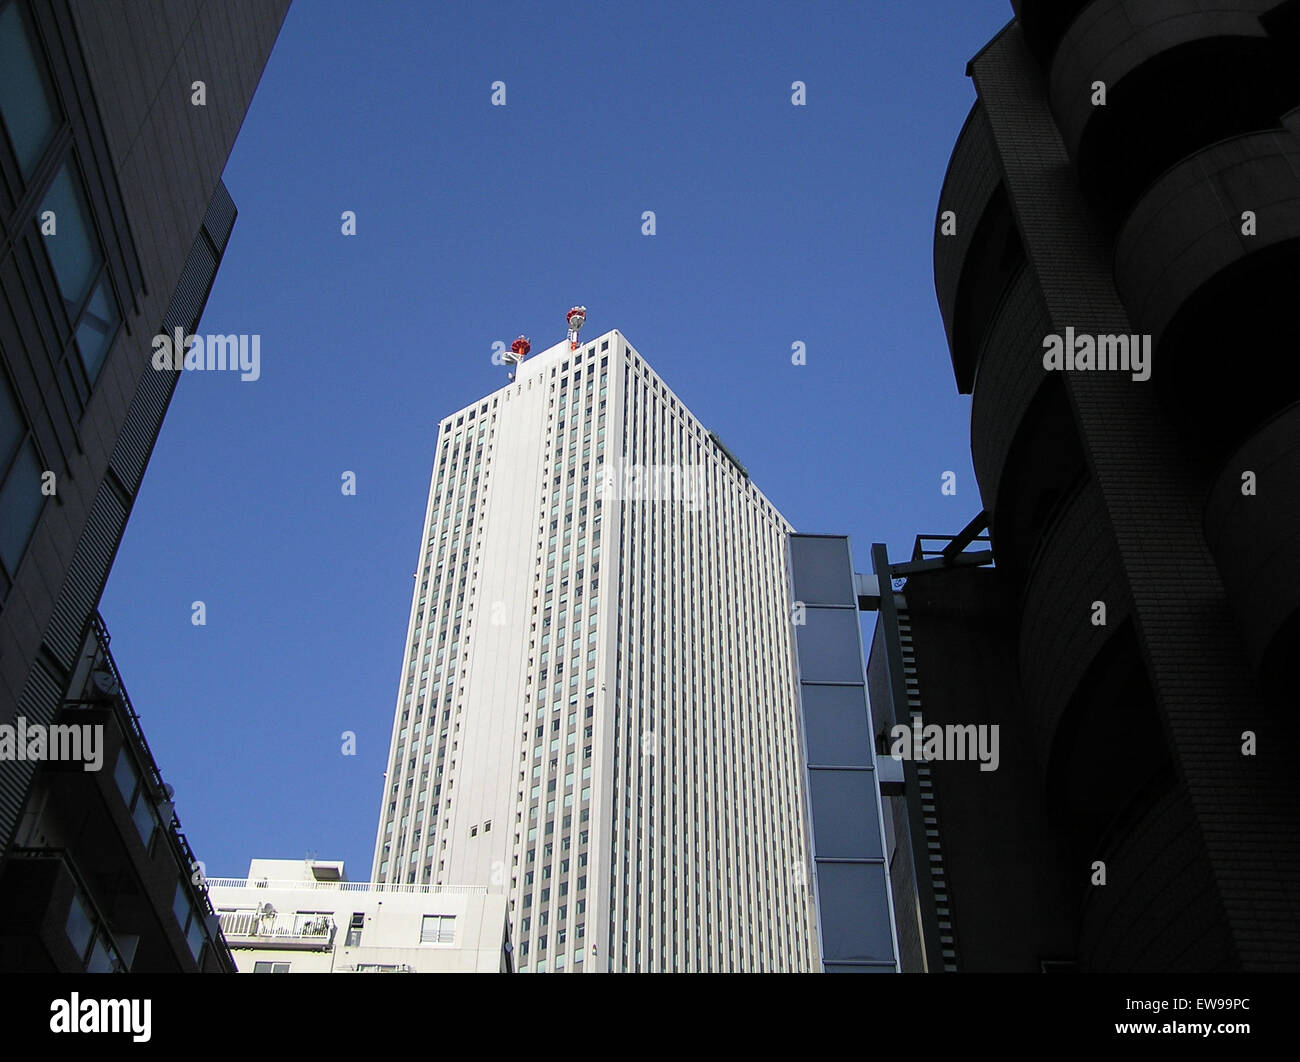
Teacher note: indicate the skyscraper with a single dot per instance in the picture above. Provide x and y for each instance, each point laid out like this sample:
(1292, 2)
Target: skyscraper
(597, 712)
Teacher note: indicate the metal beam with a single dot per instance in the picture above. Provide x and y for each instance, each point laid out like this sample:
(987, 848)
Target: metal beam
(967, 534)
(962, 560)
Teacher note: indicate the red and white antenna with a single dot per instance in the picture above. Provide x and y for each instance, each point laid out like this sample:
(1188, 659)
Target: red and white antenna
(518, 351)
(576, 317)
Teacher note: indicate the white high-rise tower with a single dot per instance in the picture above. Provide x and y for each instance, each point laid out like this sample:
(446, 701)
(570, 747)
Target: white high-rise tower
(597, 713)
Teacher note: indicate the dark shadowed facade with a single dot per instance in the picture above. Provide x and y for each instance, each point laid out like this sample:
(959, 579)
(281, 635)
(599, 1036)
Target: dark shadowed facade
(983, 880)
(1131, 169)
(113, 220)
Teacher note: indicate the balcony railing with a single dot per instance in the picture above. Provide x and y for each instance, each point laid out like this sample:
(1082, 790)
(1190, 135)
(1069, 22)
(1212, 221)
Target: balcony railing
(125, 711)
(269, 929)
(96, 636)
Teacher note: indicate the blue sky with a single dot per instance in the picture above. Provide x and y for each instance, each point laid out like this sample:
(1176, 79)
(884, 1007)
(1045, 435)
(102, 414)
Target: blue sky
(776, 224)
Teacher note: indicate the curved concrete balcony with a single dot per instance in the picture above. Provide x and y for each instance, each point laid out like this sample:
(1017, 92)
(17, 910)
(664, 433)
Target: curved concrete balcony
(1011, 375)
(1040, 463)
(1187, 228)
(1076, 564)
(967, 265)
(1218, 303)
(1159, 893)
(1177, 77)
(1255, 540)
(1044, 23)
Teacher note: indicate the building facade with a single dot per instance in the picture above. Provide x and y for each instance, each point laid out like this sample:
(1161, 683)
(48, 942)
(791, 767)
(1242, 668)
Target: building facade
(99, 876)
(850, 828)
(983, 879)
(117, 121)
(597, 714)
(304, 916)
(1118, 234)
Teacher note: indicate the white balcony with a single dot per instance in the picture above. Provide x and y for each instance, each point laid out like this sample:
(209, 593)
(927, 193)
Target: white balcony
(259, 929)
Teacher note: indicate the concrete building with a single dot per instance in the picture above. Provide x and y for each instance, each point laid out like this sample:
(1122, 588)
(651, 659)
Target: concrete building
(117, 121)
(597, 713)
(1117, 238)
(304, 916)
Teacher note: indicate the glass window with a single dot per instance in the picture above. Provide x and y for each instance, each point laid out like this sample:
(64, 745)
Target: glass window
(101, 960)
(822, 571)
(830, 647)
(854, 912)
(844, 814)
(181, 906)
(79, 927)
(73, 249)
(26, 102)
(195, 937)
(836, 724)
(124, 776)
(13, 426)
(97, 327)
(438, 929)
(144, 818)
(20, 503)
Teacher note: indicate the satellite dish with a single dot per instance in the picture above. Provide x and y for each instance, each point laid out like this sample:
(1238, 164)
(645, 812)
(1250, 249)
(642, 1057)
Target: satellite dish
(266, 909)
(104, 683)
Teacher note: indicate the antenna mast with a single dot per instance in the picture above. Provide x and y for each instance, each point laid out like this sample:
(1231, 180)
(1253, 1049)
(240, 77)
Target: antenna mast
(576, 317)
(518, 351)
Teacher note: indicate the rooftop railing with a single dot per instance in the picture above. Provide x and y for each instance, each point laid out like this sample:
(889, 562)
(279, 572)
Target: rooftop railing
(299, 885)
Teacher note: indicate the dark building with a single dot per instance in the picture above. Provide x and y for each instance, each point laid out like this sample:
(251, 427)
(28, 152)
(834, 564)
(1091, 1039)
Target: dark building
(117, 121)
(982, 878)
(1116, 253)
(99, 876)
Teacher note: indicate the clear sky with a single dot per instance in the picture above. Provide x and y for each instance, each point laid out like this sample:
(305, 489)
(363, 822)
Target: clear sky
(776, 224)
